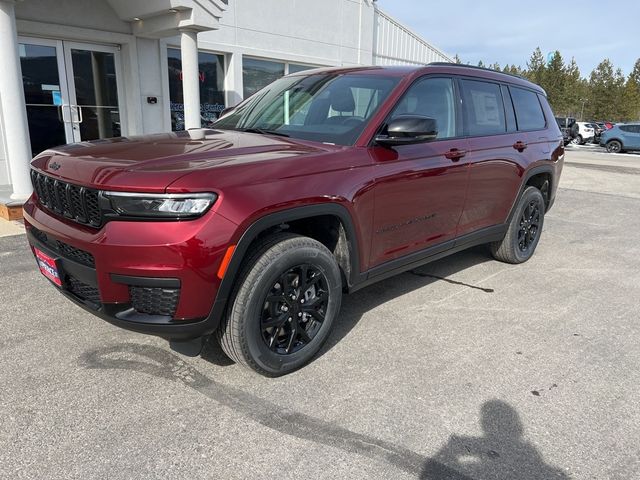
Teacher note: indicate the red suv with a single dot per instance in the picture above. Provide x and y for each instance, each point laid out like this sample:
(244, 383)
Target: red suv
(321, 183)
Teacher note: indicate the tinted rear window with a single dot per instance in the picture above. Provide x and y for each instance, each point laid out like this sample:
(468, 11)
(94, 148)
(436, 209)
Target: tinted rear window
(528, 109)
(630, 128)
(483, 108)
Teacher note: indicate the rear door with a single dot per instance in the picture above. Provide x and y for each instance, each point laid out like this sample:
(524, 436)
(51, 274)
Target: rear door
(498, 153)
(631, 136)
(419, 189)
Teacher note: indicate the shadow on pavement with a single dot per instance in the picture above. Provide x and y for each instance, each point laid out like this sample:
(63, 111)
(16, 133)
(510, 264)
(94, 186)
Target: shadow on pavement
(500, 453)
(355, 305)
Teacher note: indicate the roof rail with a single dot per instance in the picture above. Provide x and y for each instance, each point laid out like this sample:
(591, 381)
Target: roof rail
(450, 64)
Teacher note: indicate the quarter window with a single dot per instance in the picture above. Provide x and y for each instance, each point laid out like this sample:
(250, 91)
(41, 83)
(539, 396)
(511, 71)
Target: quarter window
(433, 98)
(528, 110)
(483, 108)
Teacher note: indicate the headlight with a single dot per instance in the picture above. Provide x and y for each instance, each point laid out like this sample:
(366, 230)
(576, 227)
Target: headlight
(174, 205)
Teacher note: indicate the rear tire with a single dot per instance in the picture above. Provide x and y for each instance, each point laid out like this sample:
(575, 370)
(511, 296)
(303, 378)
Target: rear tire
(614, 146)
(281, 312)
(524, 229)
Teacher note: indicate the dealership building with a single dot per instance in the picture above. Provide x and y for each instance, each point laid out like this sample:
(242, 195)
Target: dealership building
(79, 70)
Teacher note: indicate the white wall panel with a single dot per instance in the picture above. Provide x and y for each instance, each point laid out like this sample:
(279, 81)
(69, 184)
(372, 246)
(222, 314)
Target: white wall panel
(395, 44)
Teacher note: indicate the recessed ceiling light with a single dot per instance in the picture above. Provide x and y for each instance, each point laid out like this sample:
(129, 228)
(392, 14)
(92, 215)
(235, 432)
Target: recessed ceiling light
(137, 19)
(173, 10)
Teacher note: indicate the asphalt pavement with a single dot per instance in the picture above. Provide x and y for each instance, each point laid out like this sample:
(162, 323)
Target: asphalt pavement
(463, 369)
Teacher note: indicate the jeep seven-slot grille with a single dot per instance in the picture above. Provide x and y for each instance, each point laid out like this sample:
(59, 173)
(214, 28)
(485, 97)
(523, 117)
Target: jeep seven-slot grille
(72, 201)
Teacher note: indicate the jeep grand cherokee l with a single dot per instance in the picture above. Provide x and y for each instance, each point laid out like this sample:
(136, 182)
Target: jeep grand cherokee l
(320, 184)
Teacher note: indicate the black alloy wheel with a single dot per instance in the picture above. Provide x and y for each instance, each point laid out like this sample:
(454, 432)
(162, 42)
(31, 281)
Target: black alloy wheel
(294, 309)
(529, 225)
(286, 298)
(525, 228)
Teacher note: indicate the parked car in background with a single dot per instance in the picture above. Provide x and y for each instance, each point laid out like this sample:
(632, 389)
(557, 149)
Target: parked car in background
(597, 130)
(565, 124)
(582, 132)
(621, 137)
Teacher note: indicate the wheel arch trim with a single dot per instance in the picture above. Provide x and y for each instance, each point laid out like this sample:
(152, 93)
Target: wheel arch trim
(529, 174)
(272, 220)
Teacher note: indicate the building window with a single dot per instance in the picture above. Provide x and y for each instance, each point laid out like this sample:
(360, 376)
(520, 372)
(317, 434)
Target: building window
(257, 74)
(211, 73)
(296, 67)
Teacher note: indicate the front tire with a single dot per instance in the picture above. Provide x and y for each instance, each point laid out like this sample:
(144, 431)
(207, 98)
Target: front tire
(524, 229)
(283, 308)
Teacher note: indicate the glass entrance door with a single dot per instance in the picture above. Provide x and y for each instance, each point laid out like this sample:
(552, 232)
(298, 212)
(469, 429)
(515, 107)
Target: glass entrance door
(46, 93)
(71, 91)
(92, 73)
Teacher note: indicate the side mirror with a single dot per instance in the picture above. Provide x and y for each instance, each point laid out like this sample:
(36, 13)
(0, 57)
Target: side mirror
(409, 129)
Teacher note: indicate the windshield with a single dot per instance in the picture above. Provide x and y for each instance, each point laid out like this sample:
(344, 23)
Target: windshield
(330, 108)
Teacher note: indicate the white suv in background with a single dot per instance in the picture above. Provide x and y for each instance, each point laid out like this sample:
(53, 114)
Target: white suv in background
(582, 132)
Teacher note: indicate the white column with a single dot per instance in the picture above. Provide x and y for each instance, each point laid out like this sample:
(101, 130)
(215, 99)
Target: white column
(14, 111)
(190, 78)
(233, 80)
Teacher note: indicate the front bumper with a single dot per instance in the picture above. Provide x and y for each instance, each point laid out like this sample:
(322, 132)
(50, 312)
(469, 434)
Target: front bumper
(151, 277)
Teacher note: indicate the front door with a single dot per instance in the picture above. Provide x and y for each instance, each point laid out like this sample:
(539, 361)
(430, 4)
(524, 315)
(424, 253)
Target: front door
(71, 91)
(420, 189)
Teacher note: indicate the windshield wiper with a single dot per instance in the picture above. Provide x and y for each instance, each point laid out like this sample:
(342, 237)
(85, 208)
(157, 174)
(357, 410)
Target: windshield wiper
(263, 131)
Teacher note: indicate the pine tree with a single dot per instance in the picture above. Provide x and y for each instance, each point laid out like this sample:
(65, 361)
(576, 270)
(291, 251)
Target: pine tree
(495, 66)
(630, 105)
(619, 112)
(512, 69)
(604, 92)
(456, 59)
(574, 89)
(481, 64)
(536, 67)
(554, 83)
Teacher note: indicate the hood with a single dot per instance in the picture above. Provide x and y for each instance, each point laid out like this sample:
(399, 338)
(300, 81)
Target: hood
(151, 163)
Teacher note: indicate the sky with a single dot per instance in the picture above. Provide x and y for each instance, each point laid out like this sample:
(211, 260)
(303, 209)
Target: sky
(507, 32)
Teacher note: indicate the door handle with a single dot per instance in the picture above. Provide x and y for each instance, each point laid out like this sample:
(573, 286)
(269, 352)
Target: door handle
(61, 113)
(520, 145)
(455, 154)
(76, 113)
